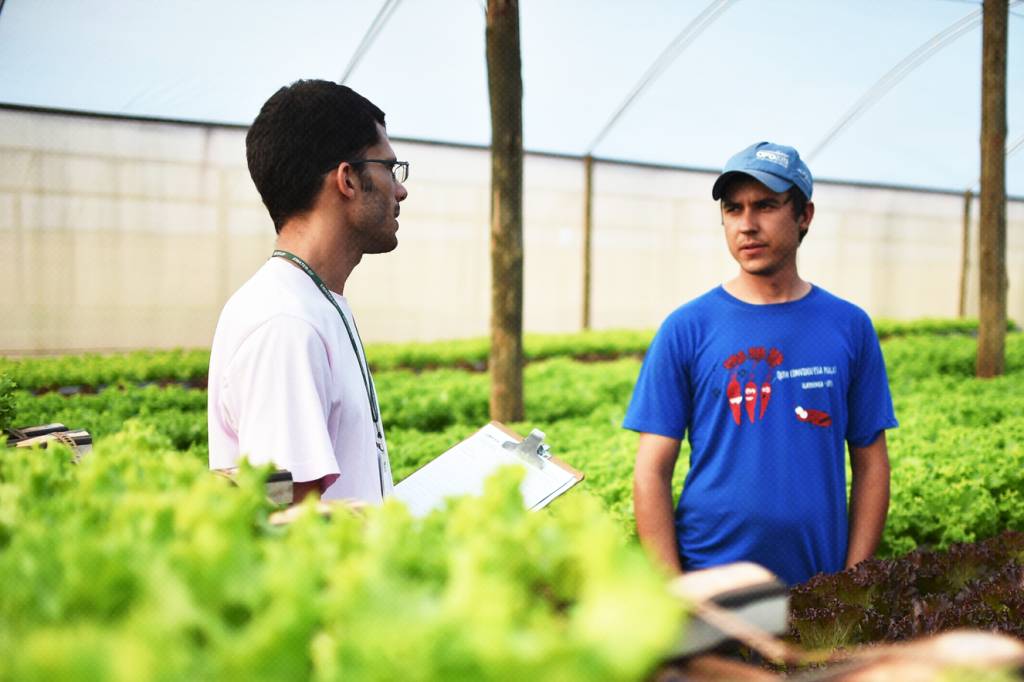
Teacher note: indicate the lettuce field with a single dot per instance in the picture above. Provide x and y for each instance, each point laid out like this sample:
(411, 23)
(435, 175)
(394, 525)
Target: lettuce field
(138, 564)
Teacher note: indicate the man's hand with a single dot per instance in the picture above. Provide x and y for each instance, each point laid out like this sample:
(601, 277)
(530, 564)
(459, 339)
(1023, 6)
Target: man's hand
(869, 499)
(652, 497)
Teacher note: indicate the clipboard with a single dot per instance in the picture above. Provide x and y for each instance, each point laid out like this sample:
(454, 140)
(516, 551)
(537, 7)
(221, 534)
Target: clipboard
(463, 468)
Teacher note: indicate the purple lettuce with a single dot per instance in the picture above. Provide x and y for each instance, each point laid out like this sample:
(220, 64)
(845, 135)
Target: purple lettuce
(977, 585)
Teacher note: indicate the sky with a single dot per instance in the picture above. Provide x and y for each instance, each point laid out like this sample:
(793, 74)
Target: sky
(782, 70)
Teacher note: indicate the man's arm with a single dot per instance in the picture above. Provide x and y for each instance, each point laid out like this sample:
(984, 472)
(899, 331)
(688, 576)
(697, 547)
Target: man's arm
(652, 497)
(869, 499)
(317, 487)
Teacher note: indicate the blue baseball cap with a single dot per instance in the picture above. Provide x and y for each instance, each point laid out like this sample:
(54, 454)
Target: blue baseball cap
(775, 166)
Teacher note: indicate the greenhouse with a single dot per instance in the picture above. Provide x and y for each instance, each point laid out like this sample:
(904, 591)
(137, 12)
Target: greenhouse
(553, 213)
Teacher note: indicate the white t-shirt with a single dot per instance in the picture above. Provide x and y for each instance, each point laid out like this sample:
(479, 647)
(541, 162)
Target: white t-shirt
(285, 386)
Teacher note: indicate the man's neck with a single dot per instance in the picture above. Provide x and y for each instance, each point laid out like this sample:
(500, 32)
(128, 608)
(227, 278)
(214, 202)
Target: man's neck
(319, 245)
(765, 289)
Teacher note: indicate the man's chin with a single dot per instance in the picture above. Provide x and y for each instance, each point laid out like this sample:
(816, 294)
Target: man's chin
(759, 269)
(383, 246)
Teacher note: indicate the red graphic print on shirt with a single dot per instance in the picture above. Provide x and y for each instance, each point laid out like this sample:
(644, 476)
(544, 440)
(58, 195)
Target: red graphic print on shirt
(732, 391)
(750, 396)
(750, 378)
(816, 417)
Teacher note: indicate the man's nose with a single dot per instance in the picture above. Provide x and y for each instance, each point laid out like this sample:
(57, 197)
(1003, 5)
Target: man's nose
(401, 192)
(748, 220)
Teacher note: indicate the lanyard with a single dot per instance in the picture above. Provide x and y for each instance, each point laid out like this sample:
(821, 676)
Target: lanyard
(364, 370)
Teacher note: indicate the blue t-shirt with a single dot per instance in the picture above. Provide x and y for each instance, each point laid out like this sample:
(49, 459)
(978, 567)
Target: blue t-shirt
(767, 395)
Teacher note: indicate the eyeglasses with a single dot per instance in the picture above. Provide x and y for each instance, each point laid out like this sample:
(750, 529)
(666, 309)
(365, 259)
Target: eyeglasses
(399, 169)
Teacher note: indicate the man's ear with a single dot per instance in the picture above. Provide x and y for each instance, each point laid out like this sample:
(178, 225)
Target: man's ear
(344, 179)
(805, 220)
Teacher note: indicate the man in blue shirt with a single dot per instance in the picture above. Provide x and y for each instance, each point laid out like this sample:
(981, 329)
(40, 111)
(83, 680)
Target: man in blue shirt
(769, 377)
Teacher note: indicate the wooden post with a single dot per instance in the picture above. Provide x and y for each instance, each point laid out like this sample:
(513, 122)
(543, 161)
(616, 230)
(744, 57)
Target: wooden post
(965, 254)
(991, 358)
(505, 88)
(588, 230)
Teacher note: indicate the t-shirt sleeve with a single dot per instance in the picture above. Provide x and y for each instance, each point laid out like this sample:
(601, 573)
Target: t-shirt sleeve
(662, 402)
(870, 403)
(275, 390)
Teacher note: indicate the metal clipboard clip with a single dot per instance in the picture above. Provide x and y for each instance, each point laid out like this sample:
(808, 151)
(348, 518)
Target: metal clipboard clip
(531, 449)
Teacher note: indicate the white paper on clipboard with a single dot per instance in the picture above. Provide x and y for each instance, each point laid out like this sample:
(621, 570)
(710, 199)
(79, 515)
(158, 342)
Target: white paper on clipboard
(462, 470)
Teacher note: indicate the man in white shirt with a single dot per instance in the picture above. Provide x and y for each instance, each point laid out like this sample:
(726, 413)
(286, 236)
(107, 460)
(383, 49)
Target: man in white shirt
(289, 382)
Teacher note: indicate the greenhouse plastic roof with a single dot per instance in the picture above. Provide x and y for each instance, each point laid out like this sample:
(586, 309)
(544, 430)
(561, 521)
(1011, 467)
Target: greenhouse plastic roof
(720, 75)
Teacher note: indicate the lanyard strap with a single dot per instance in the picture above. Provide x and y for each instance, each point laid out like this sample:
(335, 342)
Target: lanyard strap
(364, 370)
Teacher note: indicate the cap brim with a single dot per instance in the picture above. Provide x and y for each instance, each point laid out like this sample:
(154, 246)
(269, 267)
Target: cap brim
(772, 182)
